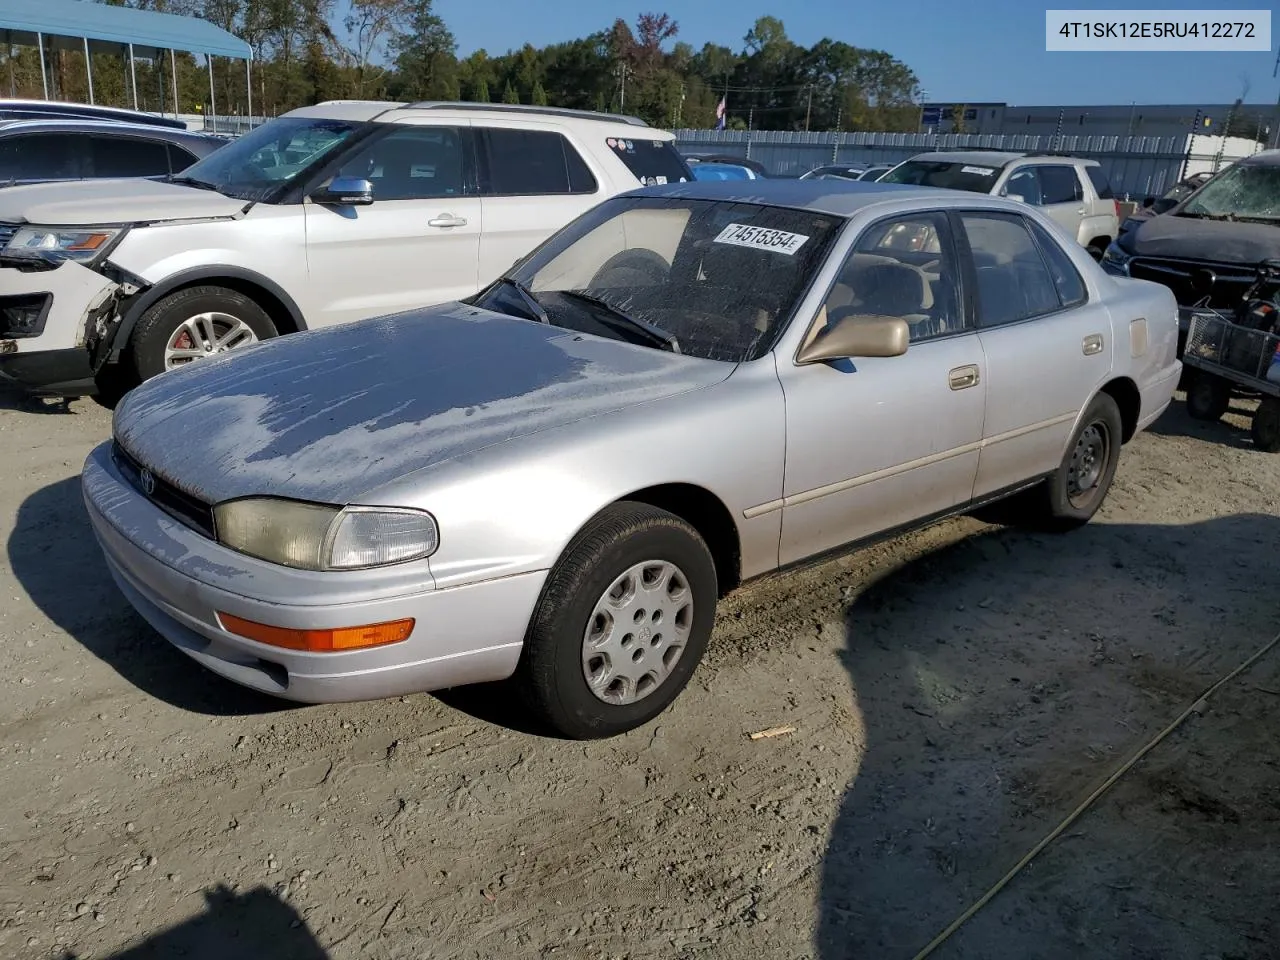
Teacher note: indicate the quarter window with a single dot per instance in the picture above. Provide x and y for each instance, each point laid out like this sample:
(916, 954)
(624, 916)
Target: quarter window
(1066, 278)
(412, 163)
(1013, 281)
(901, 267)
(534, 163)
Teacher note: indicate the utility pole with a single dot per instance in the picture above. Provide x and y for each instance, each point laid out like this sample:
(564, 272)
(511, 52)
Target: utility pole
(622, 96)
(835, 141)
(808, 110)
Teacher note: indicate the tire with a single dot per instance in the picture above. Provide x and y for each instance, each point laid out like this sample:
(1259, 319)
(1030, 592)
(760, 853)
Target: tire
(161, 324)
(1208, 396)
(1055, 505)
(1266, 426)
(621, 545)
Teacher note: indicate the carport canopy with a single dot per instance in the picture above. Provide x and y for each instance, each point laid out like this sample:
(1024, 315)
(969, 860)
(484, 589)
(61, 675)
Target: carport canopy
(99, 28)
(70, 24)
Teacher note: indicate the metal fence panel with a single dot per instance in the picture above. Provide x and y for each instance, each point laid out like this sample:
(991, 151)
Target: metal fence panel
(1136, 166)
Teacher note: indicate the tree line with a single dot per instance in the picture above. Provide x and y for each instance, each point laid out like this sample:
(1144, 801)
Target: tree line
(304, 53)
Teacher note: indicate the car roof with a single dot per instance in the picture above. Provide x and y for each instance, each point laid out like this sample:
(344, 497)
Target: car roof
(67, 125)
(1266, 158)
(838, 198)
(59, 108)
(392, 110)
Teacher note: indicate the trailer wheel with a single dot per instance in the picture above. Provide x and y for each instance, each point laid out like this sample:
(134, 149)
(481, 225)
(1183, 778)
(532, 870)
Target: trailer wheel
(1208, 396)
(1266, 425)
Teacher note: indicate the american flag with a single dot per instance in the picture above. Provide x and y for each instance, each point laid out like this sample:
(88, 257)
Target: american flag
(720, 113)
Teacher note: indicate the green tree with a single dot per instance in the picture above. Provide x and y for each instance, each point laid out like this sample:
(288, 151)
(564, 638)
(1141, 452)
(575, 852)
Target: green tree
(480, 92)
(509, 95)
(539, 97)
(426, 67)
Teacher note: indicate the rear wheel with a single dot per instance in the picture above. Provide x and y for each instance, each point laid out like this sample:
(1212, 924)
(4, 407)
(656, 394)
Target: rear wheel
(193, 324)
(623, 621)
(1208, 396)
(1072, 495)
(1266, 425)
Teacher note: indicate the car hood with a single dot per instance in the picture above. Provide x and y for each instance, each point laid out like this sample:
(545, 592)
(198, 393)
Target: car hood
(332, 414)
(1169, 235)
(111, 201)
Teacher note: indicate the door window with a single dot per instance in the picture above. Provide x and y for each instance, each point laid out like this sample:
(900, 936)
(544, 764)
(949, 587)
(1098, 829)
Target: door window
(902, 267)
(1060, 185)
(1023, 183)
(533, 163)
(41, 156)
(128, 157)
(1013, 281)
(412, 163)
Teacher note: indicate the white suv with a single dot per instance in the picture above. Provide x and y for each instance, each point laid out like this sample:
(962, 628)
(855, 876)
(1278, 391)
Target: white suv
(1071, 190)
(336, 212)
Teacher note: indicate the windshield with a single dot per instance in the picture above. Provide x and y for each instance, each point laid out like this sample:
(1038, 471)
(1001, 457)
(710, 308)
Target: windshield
(254, 166)
(721, 171)
(721, 278)
(1246, 191)
(974, 177)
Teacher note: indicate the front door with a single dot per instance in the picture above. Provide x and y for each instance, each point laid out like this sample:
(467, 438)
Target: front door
(417, 244)
(876, 443)
(1062, 197)
(1047, 347)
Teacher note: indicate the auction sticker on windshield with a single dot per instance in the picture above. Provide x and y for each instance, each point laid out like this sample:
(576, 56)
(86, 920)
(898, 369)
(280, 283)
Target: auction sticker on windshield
(981, 171)
(761, 238)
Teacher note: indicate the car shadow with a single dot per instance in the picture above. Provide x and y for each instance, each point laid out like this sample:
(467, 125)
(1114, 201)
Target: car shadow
(988, 673)
(255, 925)
(55, 556)
(1176, 422)
(15, 398)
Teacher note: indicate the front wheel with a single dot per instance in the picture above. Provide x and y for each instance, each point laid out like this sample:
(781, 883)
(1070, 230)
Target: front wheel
(622, 623)
(193, 324)
(1266, 425)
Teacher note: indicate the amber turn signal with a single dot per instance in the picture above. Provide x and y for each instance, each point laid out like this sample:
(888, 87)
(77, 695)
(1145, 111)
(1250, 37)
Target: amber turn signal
(319, 641)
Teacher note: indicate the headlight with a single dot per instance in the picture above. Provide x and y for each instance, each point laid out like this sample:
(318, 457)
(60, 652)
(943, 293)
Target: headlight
(1116, 256)
(312, 536)
(61, 243)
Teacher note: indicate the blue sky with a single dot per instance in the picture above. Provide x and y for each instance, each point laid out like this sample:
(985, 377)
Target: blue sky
(977, 50)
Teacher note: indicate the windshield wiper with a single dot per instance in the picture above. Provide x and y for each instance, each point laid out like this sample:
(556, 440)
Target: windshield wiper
(654, 332)
(539, 314)
(192, 182)
(1206, 216)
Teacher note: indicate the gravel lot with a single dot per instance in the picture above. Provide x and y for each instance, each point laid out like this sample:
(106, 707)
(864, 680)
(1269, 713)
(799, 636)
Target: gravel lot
(954, 695)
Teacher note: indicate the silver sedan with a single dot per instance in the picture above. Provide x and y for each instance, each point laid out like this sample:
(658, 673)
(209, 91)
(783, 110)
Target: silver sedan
(556, 480)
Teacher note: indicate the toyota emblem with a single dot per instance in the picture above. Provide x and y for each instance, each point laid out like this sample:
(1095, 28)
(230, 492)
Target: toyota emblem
(148, 483)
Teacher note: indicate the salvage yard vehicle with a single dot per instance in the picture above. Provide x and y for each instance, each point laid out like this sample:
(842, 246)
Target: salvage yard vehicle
(329, 213)
(42, 151)
(1206, 248)
(1071, 190)
(555, 480)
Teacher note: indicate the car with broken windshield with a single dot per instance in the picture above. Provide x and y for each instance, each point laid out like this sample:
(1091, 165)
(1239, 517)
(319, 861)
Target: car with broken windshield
(1206, 248)
(554, 481)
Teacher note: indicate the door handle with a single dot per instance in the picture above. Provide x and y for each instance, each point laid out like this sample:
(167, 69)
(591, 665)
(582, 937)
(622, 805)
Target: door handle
(447, 220)
(1092, 344)
(961, 378)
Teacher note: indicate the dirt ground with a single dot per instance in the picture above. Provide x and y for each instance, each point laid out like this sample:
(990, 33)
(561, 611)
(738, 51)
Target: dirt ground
(954, 695)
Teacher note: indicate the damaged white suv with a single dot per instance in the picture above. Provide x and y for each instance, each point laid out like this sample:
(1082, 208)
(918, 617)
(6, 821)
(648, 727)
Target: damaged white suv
(331, 213)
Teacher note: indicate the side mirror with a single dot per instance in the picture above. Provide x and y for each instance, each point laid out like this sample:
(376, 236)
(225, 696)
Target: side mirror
(352, 191)
(1148, 201)
(858, 336)
(1163, 204)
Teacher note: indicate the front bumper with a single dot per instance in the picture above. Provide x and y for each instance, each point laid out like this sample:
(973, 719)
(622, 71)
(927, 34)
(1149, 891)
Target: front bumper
(177, 579)
(47, 362)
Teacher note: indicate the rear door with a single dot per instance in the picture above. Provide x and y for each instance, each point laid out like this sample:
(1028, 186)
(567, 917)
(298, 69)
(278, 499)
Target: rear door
(533, 181)
(119, 156)
(1047, 346)
(1062, 196)
(417, 244)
